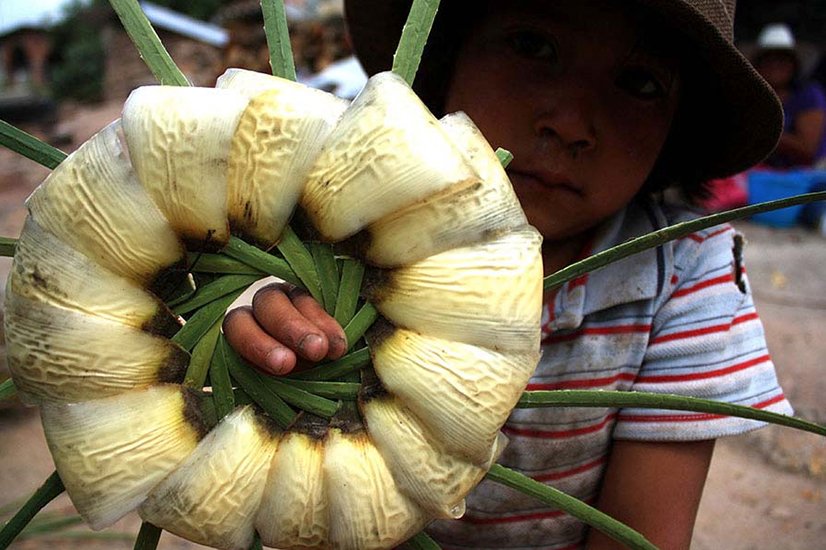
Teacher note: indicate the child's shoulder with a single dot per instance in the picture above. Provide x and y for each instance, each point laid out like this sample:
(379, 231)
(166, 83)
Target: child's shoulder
(700, 255)
(711, 241)
(648, 215)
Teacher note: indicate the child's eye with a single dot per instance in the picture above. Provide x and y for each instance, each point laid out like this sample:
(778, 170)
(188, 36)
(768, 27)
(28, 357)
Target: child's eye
(532, 45)
(641, 83)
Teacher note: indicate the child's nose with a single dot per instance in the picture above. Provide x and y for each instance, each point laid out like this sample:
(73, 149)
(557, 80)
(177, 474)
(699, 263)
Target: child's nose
(567, 117)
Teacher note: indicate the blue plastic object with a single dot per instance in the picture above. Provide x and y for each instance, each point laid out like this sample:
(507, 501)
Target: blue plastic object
(766, 185)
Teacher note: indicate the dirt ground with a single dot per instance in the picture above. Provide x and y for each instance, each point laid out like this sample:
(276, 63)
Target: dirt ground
(766, 490)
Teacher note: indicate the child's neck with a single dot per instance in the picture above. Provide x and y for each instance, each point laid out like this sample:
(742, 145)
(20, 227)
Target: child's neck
(559, 254)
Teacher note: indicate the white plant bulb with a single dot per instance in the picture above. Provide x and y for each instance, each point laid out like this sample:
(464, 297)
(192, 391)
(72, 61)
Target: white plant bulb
(458, 216)
(461, 392)
(47, 270)
(56, 354)
(278, 138)
(367, 511)
(488, 294)
(212, 497)
(93, 202)
(179, 140)
(294, 507)
(387, 152)
(111, 452)
(422, 468)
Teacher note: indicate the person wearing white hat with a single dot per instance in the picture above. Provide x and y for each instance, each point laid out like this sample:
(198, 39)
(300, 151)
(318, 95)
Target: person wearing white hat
(803, 142)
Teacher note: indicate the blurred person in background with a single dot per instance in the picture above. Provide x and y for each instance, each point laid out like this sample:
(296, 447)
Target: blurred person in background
(803, 143)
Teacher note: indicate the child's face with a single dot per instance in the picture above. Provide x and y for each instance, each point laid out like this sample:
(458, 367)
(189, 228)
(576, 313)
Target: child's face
(582, 103)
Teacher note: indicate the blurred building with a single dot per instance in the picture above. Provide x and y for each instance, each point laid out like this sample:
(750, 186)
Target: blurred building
(317, 35)
(25, 52)
(196, 46)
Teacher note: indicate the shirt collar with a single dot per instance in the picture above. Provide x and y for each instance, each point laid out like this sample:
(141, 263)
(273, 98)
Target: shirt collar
(637, 277)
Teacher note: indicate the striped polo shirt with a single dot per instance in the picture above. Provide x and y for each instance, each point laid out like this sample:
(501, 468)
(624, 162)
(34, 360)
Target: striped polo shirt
(676, 319)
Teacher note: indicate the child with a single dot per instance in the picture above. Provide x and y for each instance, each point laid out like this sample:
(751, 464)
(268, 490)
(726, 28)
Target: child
(603, 104)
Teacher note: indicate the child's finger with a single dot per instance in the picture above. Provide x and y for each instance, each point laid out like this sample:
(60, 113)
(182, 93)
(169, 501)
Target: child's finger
(314, 313)
(247, 337)
(278, 316)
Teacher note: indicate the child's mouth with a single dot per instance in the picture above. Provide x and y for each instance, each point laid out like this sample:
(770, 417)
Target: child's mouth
(543, 178)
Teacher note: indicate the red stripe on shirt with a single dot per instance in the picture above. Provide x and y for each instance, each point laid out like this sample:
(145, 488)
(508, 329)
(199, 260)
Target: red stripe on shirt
(553, 476)
(693, 417)
(560, 434)
(587, 383)
(579, 281)
(697, 238)
(702, 375)
(705, 330)
(705, 284)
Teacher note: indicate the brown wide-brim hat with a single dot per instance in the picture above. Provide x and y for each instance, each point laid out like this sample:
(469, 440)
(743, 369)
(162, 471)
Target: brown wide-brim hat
(745, 117)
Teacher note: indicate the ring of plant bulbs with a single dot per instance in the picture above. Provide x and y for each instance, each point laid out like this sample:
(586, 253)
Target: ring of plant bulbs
(426, 205)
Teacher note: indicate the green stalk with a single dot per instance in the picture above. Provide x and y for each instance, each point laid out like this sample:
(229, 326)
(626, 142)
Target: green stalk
(222, 395)
(570, 505)
(214, 290)
(278, 38)
(202, 354)
(302, 399)
(7, 389)
(662, 236)
(346, 391)
(301, 262)
(645, 400)
(505, 157)
(149, 46)
(29, 146)
(422, 541)
(362, 320)
(413, 39)
(184, 290)
(352, 273)
(242, 398)
(254, 385)
(218, 263)
(148, 537)
(260, 260)
(327, 268)
(350, 363)
(47, 492)
(198, 325)
(256, 542)
(7, 246)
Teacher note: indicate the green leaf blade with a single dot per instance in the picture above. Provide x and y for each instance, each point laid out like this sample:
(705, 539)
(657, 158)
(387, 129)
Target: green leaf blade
(662, 236)
(7, 389)
(620, 399)
(30, 147)
(148, 43)
(278, 39)
(148, 537)
(46, 493)
(413, 39)
(262, 261)
(198, 325)
(254, 385)
(574, 507)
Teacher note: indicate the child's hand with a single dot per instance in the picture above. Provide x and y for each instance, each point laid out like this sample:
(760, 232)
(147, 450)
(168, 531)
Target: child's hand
(284, 326)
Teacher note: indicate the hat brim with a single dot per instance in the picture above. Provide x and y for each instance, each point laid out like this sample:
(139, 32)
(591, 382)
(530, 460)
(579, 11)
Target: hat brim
(744, 117)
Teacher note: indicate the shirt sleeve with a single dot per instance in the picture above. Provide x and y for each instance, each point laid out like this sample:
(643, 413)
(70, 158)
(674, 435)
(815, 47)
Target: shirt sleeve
(706, 341)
